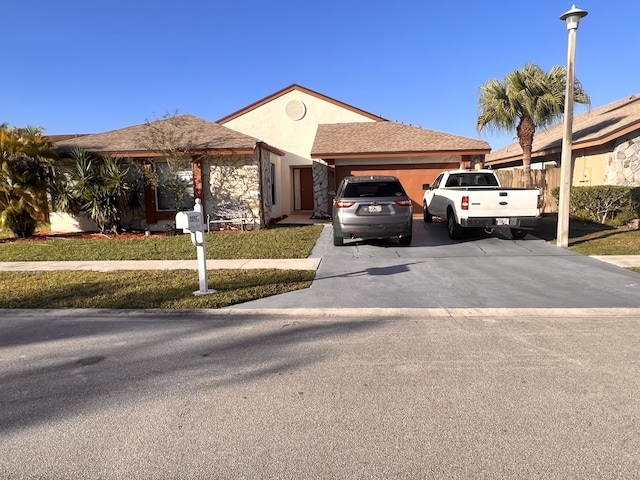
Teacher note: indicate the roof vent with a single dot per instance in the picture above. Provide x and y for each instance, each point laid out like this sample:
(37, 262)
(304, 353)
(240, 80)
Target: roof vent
(295, 110)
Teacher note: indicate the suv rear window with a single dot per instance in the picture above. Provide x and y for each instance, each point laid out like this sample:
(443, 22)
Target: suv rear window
(374, 189)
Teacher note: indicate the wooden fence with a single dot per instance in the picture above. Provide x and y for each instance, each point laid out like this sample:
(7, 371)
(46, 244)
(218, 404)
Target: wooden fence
(545, 180)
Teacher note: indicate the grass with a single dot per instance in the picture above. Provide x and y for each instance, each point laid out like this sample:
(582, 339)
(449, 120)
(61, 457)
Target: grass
(276, 242)
(170, 289)
(589, 238)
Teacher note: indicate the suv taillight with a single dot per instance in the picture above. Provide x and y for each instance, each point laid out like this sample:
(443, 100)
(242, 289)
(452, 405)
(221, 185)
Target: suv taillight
(465, 203)
(344, 204)
(403, 203)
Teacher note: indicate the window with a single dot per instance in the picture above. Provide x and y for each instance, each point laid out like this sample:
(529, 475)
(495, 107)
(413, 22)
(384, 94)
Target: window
(273, 184)
(171, 187)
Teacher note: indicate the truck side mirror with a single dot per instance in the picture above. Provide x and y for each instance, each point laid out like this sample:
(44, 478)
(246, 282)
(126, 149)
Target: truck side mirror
(426, 186)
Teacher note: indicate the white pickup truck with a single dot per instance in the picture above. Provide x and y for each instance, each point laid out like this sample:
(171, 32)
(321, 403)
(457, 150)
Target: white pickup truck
(474, 198)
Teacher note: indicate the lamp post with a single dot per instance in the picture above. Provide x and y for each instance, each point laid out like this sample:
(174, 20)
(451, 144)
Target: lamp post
(572, 18)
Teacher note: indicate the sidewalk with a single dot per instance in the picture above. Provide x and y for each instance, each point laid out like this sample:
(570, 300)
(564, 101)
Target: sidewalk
(624, 261)
(110, 265)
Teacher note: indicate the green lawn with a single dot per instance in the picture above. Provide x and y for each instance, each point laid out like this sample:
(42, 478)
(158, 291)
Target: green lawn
(276, 242)
(590, 238)
(172, 289)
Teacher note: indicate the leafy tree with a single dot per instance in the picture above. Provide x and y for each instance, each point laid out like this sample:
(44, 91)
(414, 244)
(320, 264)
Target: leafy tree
(101, 188)
(526, 100)
(26, 169)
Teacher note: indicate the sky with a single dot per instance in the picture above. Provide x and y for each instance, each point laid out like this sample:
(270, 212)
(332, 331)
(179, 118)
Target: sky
(78, 66)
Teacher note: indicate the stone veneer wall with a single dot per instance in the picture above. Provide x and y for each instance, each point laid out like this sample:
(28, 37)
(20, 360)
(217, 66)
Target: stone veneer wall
(320, 172)
(233, 187)
(622, 166)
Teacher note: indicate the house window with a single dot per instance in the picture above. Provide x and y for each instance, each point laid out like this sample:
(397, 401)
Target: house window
(273, 184)
(169, 188)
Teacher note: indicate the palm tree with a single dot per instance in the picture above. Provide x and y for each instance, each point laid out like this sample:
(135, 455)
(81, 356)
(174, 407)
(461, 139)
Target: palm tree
(100, 188)
(26, 159)
(526, 100)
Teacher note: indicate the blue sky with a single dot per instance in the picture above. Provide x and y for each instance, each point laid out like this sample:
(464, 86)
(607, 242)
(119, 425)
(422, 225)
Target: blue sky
(91, 66)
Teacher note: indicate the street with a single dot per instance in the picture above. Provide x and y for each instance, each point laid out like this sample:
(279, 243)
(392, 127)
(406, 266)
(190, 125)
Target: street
(423, 393)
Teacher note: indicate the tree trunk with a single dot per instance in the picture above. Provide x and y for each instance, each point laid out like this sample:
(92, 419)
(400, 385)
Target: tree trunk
(526, 129)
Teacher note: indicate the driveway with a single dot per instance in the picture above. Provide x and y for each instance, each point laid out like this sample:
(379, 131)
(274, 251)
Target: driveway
(476, 272)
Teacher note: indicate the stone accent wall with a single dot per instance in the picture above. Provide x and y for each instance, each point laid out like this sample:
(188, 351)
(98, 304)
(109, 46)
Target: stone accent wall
(320, 172)
(622, 166)
(232, 187)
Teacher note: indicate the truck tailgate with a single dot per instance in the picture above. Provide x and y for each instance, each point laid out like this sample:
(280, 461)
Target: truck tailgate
(503, 202)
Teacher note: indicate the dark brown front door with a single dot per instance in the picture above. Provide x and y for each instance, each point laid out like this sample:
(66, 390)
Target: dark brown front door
(303, 188)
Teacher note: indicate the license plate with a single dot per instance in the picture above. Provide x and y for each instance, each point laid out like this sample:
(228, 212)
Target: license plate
(502, 221)
(375, 208)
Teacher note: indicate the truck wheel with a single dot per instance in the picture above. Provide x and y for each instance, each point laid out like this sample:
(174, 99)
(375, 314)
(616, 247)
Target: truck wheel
(518, 233)
(428, 218)
(338, 241)
(453, 228)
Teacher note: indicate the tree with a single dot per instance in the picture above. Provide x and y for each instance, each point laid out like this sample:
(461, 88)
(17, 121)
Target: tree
(100, 188)
(173, 141)
(526, 100)
(26, 169)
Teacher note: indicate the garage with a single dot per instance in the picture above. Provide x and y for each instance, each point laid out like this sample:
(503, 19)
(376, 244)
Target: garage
(412, 177)
(414, 155)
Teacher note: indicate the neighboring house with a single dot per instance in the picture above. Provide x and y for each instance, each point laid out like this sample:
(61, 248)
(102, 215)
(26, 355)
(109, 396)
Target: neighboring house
(605, 146)
(283, 155)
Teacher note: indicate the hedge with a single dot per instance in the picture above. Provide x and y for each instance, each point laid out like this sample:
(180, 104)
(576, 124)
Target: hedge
(607, 204)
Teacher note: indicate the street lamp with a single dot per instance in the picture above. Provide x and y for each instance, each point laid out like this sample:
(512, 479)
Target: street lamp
(572, 17)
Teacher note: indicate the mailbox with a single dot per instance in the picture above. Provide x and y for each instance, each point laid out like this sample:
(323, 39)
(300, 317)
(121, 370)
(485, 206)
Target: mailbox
(190, 221)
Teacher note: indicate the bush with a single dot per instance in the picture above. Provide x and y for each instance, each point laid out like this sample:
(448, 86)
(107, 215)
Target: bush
(607, 204)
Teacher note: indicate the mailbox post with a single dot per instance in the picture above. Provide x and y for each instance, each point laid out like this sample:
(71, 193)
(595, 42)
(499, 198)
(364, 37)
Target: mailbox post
(192, 222)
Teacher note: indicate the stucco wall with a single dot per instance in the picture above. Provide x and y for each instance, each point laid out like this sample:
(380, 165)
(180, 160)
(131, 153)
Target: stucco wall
(289, 123)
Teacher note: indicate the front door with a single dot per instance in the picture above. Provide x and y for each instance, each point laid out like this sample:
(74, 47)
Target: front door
(303, 189)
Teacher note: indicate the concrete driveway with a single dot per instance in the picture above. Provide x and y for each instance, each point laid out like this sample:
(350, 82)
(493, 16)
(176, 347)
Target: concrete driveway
(478, 272)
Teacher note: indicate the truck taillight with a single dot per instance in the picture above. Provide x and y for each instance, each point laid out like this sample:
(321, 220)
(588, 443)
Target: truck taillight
(540, 203)
(344, 204)
(403, 203)
(465, 203)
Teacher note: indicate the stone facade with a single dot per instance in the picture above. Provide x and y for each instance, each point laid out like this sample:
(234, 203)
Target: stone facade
(622, 166)
(320, 188)
(231, 187)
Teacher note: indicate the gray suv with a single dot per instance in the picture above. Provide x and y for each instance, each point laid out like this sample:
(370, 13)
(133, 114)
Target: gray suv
(371, 207)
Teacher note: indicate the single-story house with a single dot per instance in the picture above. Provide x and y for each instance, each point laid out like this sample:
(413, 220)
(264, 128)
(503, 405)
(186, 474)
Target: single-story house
(283, 155)
(605, 146)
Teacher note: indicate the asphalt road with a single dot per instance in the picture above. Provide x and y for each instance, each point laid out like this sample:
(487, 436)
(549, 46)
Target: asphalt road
(478, 359)
(227, 395)
(477, 272)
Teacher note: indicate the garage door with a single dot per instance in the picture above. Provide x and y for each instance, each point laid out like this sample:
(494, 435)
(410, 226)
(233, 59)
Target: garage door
(411, 176)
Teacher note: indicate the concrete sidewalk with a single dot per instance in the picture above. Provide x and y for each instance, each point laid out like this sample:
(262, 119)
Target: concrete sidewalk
(110, 265)
(625, 261)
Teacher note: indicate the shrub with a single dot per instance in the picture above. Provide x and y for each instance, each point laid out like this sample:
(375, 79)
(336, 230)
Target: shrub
(606, 204)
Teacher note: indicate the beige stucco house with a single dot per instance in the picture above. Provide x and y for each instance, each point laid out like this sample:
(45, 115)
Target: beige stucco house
(605, 146)
(283, 154)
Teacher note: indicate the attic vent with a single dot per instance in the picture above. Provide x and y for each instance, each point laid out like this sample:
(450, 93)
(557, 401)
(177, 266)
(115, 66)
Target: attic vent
(295, 110)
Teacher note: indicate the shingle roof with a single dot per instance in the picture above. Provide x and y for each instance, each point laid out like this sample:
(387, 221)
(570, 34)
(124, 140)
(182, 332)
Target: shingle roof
(203, 134)
(592, 128)
(380, 138)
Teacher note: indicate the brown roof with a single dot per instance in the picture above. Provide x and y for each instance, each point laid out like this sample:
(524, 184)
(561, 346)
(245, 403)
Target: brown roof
(291, 88)
(592, 128)
(388, 139)
(203, 134)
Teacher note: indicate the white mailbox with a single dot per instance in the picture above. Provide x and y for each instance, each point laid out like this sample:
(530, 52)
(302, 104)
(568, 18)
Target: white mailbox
(190, 221)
